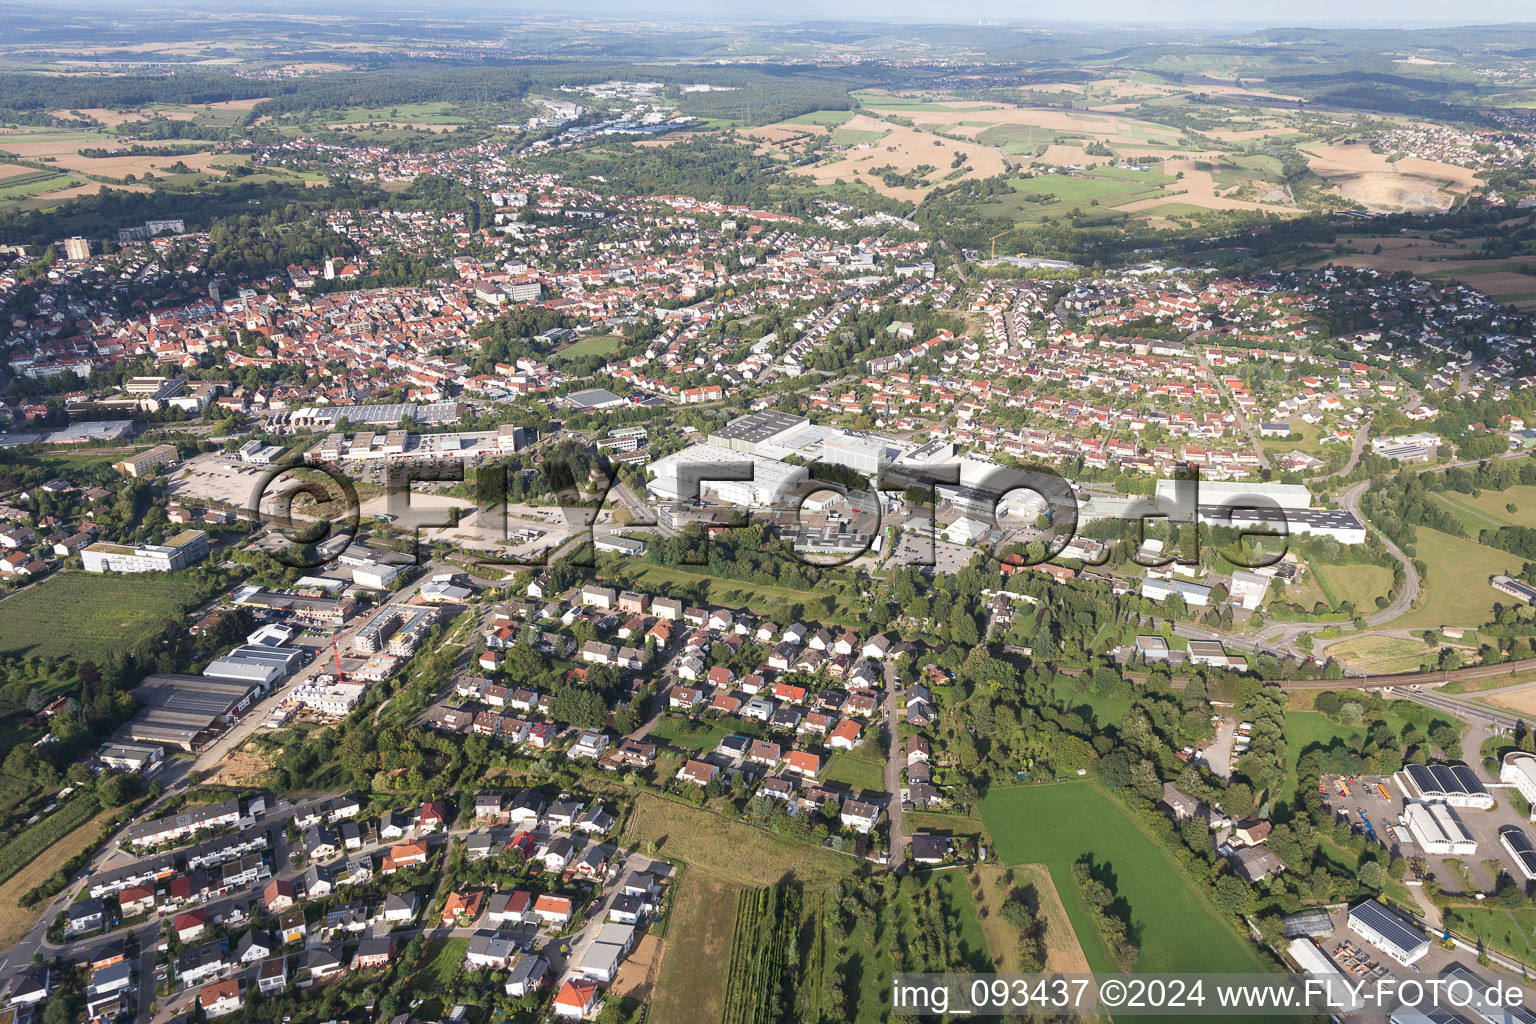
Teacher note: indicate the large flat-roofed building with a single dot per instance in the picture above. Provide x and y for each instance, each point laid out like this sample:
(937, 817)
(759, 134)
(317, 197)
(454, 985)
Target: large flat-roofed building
(323, 611)
(1519, 845)
(1343, 526)
(1438, 830)
(590, 399)
(1453, 784)
(1519, 770)
(771, 481)
(745, 433)
(145, 463)
(220, 699)
(1388, 932)
(1226, 492)
(178, 552)
(327, 416)
(256, 664)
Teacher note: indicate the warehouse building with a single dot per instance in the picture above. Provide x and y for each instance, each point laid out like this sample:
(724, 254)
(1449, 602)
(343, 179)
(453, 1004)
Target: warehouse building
(698, 470)
(1452, 784)
(1342, 997)
(1514, 839)
(186, 711)
(178, 552)
(1519, 770)
(1388, 932)
(320, 611)
(1438, 831)
(257, 664)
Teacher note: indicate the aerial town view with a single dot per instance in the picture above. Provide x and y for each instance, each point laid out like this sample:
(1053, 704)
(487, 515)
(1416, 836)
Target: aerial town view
(767, 514)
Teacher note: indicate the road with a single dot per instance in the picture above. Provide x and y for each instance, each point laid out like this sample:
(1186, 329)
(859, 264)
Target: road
(1357, 448)
(893, 759)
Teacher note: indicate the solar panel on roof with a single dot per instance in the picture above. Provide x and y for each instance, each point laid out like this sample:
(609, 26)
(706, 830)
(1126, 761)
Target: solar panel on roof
(1520, 844)
(1388, 925)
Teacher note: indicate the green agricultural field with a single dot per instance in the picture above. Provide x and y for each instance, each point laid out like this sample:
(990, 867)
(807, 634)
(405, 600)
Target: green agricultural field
(36, 183)
(1070, 191)
(417, 113)
(855, 772)
(1456, 587)
(1360, 584)
(1175, 927)
(855, 137)
(828, 118)
(87, 616)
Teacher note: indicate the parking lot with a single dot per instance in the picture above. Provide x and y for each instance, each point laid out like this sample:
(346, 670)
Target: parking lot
(1372, 813)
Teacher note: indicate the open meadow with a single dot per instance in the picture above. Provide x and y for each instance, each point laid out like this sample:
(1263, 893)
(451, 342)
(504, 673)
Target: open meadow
(1054, 825)
(89, 616)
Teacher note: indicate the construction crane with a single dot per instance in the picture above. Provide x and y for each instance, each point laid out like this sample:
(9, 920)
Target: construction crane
(336, 653)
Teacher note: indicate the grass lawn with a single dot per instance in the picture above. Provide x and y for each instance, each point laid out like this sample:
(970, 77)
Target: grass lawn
(760, 598)
(1175, 928)
(87, 615)
(1107, 709)
(1383, 655)
(1493, 505)
(441, 963)
(1304, 729)
(730, 849)
(1456, 587)
(1513, 931)
(1361, 584)
(691, 983)
(855, 772)
(596, 345)
(699, 737)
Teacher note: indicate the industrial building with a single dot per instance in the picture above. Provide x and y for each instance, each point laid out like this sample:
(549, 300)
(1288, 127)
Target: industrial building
(695, 471)
(1437, 829)
(257, 664)
(1388, 932)
(1341, 995)
(388, 415)
(185, 711)
(178, 552)
(1293, 497)
(1453, 784)
(1519, 770)
(320, 611)
(1514, 839)
(143, 758)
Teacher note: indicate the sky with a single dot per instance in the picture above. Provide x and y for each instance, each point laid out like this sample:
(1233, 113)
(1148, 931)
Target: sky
(1213, 13)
